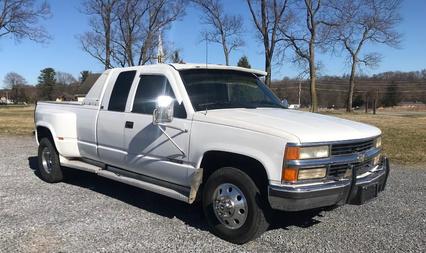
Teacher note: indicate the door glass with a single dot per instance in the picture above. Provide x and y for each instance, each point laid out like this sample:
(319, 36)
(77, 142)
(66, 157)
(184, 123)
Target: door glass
(149, 88)
(119, 94)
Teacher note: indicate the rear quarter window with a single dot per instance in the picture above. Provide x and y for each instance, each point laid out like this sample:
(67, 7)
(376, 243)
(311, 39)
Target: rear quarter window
(121, 90)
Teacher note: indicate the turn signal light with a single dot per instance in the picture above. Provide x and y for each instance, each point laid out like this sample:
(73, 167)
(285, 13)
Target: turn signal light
(289, 175)
(292, 153)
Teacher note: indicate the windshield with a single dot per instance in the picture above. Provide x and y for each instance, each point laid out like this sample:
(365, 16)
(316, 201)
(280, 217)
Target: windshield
(221, 89)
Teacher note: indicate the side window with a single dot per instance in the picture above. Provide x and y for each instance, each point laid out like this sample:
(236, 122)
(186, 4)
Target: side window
(121, 89)
(149, 88)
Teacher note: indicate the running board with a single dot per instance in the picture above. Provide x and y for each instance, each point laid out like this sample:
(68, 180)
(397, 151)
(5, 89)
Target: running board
(144, 185)
(100, 170)
(80, 165)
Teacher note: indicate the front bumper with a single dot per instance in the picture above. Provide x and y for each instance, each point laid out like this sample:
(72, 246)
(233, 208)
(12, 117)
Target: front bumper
(353, 191)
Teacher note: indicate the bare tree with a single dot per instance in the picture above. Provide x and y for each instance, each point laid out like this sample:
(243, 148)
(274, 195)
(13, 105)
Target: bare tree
(64, 78)
(129, 26)
(20, 19)
(16, 83)
(365, 22)
(267, 17)
(161, 14)
(305, 36)
(137, 27)
(97, 42)
(12, 79)
(224, 29)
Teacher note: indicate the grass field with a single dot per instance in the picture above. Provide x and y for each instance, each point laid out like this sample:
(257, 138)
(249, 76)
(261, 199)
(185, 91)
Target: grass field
(404, 132)
(16, 120)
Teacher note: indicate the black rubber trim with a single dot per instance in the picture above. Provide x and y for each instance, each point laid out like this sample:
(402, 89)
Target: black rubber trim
(353, 188)
(387, 167)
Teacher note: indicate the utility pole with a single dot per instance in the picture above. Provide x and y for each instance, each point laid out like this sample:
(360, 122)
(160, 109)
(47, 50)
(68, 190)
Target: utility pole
(376, 101)
(207, 50)
(300, 90)
(366, 102)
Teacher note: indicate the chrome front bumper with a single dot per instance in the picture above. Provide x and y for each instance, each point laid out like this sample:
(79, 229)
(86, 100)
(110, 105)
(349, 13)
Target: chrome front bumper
(353, 191)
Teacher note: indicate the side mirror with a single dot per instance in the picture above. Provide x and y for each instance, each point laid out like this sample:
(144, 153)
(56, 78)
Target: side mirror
(284, 102)
(163, 112)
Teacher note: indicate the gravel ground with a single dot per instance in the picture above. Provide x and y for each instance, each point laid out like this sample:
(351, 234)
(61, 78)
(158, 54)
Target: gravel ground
(92, 214)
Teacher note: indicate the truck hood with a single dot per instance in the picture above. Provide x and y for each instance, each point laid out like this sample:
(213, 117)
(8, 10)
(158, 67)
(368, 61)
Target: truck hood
(291, 124)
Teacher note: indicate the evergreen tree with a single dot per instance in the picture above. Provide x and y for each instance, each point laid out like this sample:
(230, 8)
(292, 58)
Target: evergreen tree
(83, 75)
(46, 83)
(243, 62)
(392, 96)
(175, 58)
(358, 101)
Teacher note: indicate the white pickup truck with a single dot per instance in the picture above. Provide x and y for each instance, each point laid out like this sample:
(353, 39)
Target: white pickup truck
(214, 134)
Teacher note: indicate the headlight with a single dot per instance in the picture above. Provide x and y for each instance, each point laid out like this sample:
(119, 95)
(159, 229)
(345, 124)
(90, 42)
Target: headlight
(293, 174)
(312, 173)
(296, 153)
(378, 142)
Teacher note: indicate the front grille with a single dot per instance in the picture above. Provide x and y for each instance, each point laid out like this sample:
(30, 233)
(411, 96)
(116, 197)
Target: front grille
(352, 147)
(339, 170)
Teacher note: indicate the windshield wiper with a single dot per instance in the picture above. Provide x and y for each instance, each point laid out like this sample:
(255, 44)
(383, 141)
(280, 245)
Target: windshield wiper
(224, 105)
(269, 104)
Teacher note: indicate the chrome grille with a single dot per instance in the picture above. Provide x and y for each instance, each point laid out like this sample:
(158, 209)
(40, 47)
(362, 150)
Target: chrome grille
(339, 170)
(351, 147)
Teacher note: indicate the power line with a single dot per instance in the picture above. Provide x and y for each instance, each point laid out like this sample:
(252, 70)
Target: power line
(357, 91)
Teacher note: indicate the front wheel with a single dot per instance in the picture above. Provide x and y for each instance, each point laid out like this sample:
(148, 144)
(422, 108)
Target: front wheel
(233, 206)
(49, 166)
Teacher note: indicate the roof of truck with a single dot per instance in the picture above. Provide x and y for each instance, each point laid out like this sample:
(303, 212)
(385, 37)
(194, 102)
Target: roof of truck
(216, 66)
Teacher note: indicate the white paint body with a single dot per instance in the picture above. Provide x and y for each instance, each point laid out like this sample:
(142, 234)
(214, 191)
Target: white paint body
(86, 130)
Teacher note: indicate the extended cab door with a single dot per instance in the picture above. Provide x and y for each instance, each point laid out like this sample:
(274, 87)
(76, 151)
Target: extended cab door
(112, 119)
(150, 152)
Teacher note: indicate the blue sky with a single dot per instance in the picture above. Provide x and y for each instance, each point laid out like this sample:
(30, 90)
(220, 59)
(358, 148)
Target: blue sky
(63, 52)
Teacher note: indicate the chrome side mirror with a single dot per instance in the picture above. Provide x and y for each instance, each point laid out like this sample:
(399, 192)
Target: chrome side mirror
(284, 102)
(163, 112)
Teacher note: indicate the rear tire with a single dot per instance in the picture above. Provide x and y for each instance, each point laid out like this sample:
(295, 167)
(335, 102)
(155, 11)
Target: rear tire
(234, 207)
(49, 166)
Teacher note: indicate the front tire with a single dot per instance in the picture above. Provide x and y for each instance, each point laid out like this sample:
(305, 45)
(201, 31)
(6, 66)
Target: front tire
(233, 206)
(49, 166)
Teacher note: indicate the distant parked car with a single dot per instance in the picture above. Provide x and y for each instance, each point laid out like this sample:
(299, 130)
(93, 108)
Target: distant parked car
(294, 106)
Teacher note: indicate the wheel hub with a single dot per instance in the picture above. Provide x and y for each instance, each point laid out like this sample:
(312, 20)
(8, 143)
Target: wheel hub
(225, 207)
(230, 205)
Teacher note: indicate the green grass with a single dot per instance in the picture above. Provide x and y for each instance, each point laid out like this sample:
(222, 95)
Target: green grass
(404, 133)
(16, 120)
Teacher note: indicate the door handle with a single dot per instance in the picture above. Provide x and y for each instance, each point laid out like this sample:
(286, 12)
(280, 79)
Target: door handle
(129, 124)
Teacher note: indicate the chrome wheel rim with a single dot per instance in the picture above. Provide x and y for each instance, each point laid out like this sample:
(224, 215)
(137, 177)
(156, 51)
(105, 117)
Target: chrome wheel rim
(47, 160)
(230, 206)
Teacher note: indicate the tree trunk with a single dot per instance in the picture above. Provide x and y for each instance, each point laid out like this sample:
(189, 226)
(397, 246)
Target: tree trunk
(313, 81)
(129, 51)
(268, 70)
(144, 53)
(107, 25)
(313, 75)
(351, 86)
(226, 53)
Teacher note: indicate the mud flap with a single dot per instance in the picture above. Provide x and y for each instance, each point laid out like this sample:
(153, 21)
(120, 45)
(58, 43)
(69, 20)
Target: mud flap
(196, 180)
